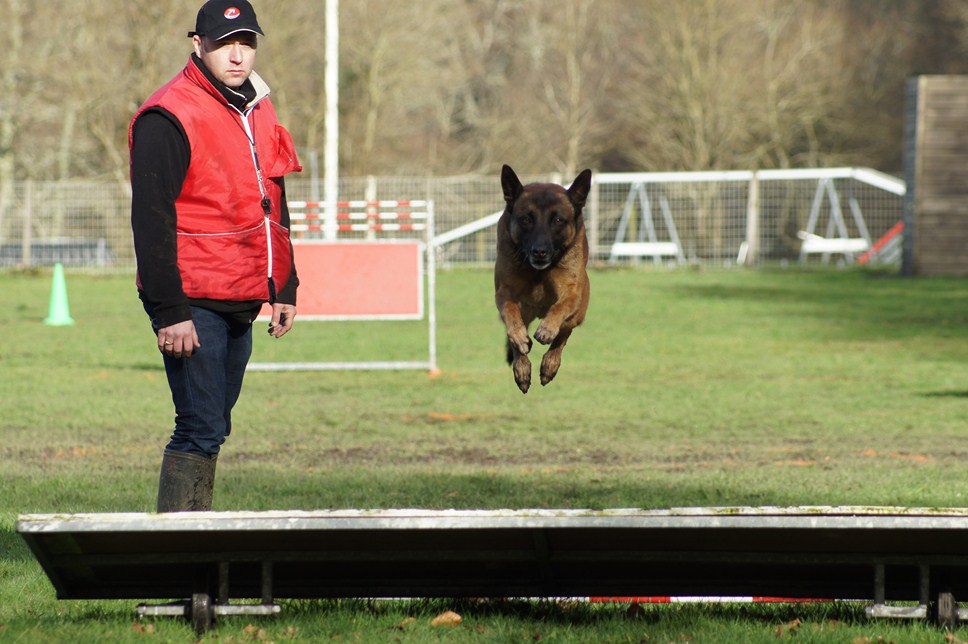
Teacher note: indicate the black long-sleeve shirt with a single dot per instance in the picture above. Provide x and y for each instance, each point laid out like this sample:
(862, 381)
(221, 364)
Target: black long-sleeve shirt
(160, 156)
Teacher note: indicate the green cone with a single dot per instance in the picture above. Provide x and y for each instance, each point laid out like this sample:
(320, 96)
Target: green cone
(59, 313)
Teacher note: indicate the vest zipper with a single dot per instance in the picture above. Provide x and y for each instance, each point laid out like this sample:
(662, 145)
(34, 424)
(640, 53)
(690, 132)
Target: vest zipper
(266, 203)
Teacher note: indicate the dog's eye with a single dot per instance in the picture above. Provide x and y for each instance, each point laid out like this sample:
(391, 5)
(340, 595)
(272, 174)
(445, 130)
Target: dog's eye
(525, 221)
(558, 220)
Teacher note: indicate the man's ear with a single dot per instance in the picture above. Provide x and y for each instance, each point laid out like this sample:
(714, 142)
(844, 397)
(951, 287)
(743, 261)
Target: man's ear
(511, 184)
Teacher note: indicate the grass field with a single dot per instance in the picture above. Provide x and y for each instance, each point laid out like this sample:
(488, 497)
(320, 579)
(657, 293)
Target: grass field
(685, 388)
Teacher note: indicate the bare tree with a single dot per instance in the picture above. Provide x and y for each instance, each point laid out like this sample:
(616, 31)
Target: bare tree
(689, 89)
(479, 46)
(559, 85)
(394, 66)
(13, 10)
(457, 86)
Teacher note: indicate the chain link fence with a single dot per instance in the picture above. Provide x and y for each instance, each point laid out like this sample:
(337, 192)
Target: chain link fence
(840, 215)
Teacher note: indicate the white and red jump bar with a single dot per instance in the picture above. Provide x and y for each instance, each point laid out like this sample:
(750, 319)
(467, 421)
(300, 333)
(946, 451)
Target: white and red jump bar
(703, 600)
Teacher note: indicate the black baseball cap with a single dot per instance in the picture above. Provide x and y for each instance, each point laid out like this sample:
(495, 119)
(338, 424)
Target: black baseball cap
(220, 18)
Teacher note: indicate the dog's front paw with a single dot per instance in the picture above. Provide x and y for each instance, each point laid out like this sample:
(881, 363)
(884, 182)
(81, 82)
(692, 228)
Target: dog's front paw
(549, 366)
(522, 372)
(546, 333)
(521, 342)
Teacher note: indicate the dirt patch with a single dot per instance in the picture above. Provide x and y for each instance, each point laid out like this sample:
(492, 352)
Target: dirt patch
(446, 454)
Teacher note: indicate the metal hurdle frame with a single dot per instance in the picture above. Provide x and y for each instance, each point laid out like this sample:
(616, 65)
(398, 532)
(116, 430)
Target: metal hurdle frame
(370, 217)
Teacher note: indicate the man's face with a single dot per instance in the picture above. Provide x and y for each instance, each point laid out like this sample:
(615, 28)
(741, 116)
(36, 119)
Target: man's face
(230, 59)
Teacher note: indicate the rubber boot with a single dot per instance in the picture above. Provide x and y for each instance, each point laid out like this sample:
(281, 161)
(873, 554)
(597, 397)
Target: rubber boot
(186, 482)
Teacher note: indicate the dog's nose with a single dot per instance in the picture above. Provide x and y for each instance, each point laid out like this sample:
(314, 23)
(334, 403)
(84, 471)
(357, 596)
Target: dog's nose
(540, 257)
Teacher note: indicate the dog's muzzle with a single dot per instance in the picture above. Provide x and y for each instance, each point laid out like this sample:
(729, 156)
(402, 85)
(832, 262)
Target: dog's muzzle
(540, 258)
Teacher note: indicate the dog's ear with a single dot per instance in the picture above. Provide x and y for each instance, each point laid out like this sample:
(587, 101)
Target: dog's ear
(511, 184)
(578, 192)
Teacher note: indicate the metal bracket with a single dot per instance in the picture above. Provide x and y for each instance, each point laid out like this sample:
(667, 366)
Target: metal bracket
(881, 609)
(181, 609)
(949, 615)
(201, 612)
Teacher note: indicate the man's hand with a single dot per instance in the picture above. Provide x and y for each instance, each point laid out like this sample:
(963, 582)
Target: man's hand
(178, 340)
(282, 318)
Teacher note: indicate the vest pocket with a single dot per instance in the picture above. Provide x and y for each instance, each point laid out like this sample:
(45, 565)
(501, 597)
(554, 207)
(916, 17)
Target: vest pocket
(224, 266)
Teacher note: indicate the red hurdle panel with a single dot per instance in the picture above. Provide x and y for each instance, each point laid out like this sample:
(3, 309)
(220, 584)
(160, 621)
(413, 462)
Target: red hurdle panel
(363, 260)
(359, 280)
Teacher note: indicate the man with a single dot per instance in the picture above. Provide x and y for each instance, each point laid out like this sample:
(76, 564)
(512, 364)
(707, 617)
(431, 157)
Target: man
(211, 235)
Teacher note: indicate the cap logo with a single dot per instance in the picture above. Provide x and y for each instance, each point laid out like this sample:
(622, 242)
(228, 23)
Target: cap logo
(232, 13)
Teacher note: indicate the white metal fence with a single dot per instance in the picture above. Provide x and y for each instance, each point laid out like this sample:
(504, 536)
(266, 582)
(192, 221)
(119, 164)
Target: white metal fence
(840, 215)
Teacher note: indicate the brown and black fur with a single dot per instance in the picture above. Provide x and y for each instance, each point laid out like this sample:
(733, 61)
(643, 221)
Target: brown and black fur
(542, 255)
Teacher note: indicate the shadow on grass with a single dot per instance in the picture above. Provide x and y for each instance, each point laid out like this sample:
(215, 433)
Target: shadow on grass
(579, 612)
(945, 394)
(12, 546)
(260, 489)
(279, 486)
(559, 620)
(133, 366)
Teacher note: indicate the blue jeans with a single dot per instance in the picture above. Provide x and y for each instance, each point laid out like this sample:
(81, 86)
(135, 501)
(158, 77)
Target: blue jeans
(206, 386)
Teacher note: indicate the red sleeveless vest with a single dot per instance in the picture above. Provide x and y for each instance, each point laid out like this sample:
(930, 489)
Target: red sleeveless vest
(230, 241)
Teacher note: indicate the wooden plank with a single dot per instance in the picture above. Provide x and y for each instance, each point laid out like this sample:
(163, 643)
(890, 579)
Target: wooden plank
(790, 552)
(940, 165)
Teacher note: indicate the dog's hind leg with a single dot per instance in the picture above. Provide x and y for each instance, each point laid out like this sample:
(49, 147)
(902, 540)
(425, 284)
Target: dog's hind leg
(518, 341)
(521, 366)
(552, 359)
